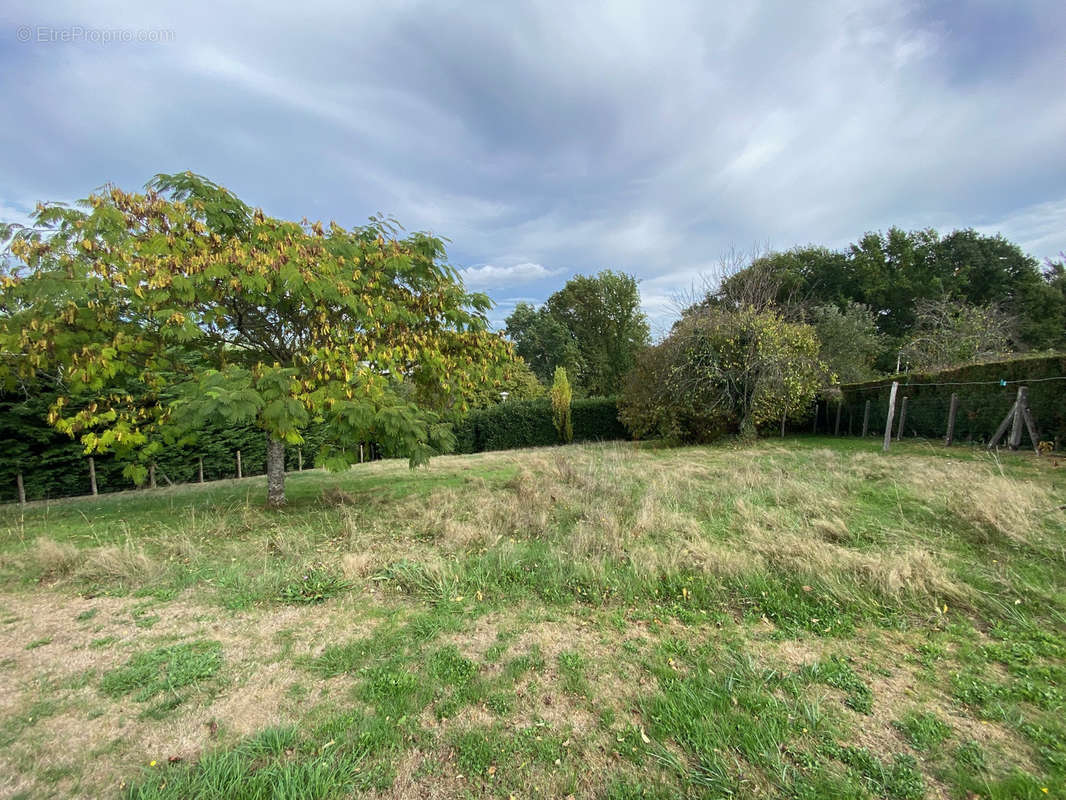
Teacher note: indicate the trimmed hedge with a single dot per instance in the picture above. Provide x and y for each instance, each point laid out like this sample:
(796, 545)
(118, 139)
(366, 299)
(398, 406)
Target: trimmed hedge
(54, 465)
(528, 423)
(983, 400)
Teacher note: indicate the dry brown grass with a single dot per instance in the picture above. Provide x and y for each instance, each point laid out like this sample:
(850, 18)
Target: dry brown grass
(54, 559)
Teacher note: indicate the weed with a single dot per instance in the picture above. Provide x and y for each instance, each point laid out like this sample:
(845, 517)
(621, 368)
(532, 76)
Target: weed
(315, 585)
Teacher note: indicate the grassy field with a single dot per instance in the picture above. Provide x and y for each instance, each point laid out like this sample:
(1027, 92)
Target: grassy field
(805, 619)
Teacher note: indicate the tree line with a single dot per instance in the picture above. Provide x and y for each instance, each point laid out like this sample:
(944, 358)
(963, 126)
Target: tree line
(136, 321)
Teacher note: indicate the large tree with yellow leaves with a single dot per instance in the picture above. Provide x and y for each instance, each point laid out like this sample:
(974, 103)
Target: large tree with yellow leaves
(212, 309)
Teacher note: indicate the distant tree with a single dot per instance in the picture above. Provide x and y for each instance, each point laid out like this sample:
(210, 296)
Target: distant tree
(783, 282)
(891, 273)
(561, 397)
(848, 340)
(593, 327)
(603, 317)
(724, 371)
(541, 340)
(221, 312)
(516, 379)
(949, 334)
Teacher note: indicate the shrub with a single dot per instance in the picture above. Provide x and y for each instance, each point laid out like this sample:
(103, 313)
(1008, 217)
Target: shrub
(561, 397)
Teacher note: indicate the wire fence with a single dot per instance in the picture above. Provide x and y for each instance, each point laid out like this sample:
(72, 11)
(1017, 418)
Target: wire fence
(968, 404)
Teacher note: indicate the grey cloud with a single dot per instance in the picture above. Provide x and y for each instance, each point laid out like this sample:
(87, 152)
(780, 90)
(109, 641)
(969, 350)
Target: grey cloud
(640, 136)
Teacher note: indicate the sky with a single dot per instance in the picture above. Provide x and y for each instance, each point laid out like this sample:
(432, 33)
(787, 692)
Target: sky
(547, 139)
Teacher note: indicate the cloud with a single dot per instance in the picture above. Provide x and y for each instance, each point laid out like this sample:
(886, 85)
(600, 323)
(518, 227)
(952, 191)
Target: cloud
(653, 137)
(489, 276)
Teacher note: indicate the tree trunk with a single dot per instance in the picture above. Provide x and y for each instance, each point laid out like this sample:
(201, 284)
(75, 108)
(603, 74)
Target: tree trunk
(21, 488)
(151, 476)
(275, 472)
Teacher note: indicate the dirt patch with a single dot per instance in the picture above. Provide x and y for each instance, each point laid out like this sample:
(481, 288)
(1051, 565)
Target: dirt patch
(115, 741)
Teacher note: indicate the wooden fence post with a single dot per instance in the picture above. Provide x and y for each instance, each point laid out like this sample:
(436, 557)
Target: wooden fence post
(1020, 405)
(21, 488)
(902, 418)
(952, 411)
(836, 425)
(92, 475)
(1030, 423)
(891, 413)
(783, 415)
(866, 420)
(200, 468)
(1003, 426)
(360, 452)
(239, 464)
(300, 459)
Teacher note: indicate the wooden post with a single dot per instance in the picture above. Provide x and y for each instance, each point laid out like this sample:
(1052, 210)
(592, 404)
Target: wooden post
(783, 415)
(836, 426)
(1002, 427)
(300, 459)
(1018, 421)
(953, 409)
(151, 476)
(92, 475)
(902, 418)
(866, 420)
(1030, 423)
(21, 488)
(360, 452)
(891, 413)
(200, 468)
(239, 464)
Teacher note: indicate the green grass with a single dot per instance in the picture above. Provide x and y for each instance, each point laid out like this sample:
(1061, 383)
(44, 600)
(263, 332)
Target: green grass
(165, 671)
(799, 619)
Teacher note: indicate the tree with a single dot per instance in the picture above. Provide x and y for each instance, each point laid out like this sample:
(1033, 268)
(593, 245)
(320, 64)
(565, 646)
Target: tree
(724, 372)
(220, 311)
(848, 340)
(891, 273)
(561, 397)
(951, 334)
(603, 317)
(516, 380)
(541, 340)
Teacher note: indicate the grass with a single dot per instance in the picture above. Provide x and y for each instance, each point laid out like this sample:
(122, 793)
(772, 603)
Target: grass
(804, 619)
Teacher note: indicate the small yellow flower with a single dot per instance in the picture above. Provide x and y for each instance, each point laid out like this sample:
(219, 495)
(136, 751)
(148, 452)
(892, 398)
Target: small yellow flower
(151, 763)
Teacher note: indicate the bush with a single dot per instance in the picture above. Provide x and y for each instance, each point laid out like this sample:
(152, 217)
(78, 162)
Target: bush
(529, 423)
(983, 401)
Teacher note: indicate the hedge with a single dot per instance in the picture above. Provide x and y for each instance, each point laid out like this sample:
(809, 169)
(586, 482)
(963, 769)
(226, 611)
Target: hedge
(528, 423)
(54, 465)
(983, 400)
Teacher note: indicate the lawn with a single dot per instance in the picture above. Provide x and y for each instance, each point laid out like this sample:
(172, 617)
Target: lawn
(807, 618)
